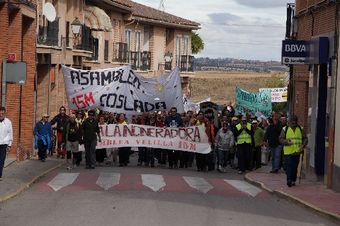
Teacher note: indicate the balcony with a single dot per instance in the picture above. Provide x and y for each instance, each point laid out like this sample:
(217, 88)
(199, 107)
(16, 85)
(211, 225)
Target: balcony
(48, 35)
(140, 60)
(120, 53)
(86, 42)
(185, 63)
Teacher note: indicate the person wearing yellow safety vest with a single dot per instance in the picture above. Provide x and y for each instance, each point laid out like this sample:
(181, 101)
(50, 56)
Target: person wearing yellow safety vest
(294, 140)
(243, 136)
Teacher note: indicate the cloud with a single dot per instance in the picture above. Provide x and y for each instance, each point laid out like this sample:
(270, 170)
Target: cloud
(248, 29)
(262, 3)
(224, 18)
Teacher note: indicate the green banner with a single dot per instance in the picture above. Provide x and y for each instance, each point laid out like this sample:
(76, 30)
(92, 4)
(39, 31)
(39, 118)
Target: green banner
(259, 102)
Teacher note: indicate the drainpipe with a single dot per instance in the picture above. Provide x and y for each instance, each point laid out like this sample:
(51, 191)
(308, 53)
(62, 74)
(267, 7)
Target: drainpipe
(3, 83)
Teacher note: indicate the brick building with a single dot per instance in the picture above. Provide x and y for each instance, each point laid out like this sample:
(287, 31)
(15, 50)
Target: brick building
(114, 33)
(18, 31)
(313, 85)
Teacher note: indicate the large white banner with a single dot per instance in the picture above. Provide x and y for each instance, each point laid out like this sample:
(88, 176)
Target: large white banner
(121, 90)
(278, 94)
(191, 139)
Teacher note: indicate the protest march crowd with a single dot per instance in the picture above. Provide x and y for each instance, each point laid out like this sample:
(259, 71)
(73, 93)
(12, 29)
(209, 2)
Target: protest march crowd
(236, 141)
(205, 139)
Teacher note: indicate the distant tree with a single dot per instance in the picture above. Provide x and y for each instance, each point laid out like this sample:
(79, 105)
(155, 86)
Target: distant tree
(197, 44)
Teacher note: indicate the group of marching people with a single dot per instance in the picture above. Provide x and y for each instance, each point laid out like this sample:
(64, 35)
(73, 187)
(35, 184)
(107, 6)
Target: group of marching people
(231, 137)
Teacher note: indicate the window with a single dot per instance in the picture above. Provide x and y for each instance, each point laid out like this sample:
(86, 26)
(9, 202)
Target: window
(137, 41)
(95, 49)
(178, 49)
(67, 34)
(106, 50)
(128, 39)
(146, 39)
(186, 45)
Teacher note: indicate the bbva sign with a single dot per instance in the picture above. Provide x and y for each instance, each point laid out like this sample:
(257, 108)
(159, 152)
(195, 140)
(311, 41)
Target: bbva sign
(314, 51)
(295, 48)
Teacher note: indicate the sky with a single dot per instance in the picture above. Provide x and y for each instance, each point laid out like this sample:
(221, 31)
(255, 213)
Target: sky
(242, 29)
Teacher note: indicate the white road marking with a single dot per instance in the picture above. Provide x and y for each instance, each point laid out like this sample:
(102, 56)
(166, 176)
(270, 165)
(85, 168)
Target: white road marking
(154, 182)
(62, 180)
(244, 187)
(108, 180)
(199, 184)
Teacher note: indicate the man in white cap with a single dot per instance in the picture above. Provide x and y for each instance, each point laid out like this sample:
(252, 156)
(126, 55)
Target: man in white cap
(6, 137)
(43, 136)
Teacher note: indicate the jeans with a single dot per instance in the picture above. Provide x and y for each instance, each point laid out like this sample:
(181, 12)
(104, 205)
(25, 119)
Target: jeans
(77, 157)
(124, 155)
(173, 158)
(211, 159)
(150, 157)
(222, 157)
(257, 157)
(42, 150)
(201, 161)
(3, 150)
(292, 162)
(244, 156)
(276, 157)
(141, 155)
(90, 152)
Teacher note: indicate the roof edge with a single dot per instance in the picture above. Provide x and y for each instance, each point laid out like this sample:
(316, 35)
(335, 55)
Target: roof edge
(155, 21)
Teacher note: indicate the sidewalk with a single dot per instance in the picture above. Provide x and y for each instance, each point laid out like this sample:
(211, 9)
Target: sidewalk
(310, 194)
(18, 176)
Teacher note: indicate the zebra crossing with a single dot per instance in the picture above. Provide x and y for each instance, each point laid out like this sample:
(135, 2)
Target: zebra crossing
(111, 181)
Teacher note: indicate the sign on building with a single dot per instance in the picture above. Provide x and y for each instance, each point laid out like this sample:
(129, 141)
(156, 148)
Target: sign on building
(314, 51)
(295, 52)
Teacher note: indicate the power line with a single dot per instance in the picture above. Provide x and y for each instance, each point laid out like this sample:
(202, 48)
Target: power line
(161, 5)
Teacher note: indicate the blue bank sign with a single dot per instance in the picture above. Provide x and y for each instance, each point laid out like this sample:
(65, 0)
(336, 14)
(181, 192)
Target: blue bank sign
(295, 52)
(314, 51)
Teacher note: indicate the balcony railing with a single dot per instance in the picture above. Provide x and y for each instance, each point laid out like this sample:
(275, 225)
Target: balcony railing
(86, 41)
(120, 53)
(185, 62)
(140, 60)
(48, 35)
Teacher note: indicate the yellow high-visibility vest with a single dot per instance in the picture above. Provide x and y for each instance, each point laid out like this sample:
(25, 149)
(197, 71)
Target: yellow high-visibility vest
(295, 138)
(244, 137)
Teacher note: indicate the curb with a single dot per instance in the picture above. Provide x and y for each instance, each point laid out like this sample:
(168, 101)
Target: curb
(257, 183)
(28, 185)
(9, 163)
(296, 200)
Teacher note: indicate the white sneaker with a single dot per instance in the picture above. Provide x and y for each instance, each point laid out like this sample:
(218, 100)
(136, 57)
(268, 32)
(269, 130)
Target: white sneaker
(219, 168)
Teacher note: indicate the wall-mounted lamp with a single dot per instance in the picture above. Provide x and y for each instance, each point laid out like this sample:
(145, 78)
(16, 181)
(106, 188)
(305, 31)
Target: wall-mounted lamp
(76, 26)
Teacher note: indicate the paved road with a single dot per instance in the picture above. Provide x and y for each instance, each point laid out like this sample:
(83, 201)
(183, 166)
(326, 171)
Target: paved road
(145, 196)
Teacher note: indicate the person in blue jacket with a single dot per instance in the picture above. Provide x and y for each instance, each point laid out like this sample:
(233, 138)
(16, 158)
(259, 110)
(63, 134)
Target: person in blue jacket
(43, 137)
